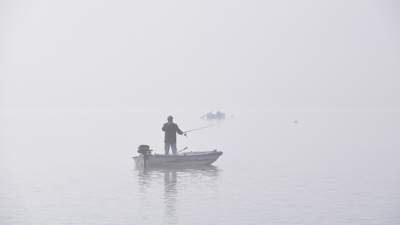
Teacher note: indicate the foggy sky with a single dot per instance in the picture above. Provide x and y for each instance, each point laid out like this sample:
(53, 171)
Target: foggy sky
(200, 55)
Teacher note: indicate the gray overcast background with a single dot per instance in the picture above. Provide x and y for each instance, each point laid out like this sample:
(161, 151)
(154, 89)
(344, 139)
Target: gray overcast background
(313, 87)
(256, 55)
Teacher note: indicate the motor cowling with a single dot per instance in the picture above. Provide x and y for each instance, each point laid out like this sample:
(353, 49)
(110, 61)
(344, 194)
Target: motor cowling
(144, 150)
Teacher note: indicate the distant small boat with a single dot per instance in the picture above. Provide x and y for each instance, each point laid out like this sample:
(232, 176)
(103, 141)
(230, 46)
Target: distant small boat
(189, 159)
(214, 116)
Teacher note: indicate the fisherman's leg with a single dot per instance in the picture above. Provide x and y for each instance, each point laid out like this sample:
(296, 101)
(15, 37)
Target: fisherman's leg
(166, 147)
(173, 147)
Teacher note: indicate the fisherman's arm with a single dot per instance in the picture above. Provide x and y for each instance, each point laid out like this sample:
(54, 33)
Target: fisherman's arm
(179, 131)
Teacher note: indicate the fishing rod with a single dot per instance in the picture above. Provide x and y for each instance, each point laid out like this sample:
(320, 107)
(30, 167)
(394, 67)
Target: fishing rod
(199, 128)
(183, 149)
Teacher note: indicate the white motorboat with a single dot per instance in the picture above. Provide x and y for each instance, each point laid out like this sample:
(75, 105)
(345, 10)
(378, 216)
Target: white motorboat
(187, 159)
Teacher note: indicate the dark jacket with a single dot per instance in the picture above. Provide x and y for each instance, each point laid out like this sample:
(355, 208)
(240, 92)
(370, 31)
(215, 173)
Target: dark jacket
(170, 130)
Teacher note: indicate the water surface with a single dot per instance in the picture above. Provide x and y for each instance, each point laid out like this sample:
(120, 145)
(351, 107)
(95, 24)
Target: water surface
(75, 167)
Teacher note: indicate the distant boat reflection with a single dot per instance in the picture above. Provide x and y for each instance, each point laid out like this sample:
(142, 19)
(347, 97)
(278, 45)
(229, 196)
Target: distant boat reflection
(174, 181)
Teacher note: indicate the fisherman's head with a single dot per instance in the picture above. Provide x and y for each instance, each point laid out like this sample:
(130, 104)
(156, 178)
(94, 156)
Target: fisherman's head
(170, 119)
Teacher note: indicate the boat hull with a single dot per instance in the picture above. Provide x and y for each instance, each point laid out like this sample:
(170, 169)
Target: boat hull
(191, 159)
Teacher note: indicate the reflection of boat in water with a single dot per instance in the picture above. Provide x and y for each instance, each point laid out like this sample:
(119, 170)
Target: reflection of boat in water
(189, 159)
(168, 187)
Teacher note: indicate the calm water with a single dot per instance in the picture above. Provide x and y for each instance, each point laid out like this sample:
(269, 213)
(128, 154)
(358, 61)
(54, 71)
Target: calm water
(76, 168)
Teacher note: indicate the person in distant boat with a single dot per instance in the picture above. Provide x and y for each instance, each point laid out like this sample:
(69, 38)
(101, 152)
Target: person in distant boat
(171, 129)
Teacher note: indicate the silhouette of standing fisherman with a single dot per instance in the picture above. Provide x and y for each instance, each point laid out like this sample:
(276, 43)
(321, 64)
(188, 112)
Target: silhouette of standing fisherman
(171, 129)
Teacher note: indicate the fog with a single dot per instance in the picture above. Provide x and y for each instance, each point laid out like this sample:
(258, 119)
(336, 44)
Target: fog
(310, 88)
(232, 55)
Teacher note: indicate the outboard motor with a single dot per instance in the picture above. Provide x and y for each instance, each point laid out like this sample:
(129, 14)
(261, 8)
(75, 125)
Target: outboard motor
(146, 152)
